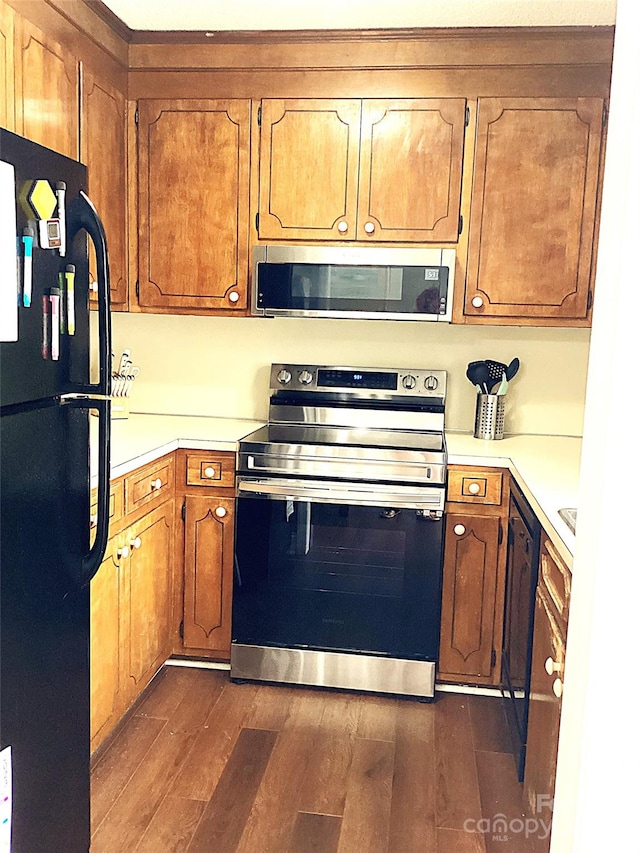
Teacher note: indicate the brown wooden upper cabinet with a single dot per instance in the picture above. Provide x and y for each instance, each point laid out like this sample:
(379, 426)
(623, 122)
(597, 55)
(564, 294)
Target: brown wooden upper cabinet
(46, 90)
(7, 70)
(369, 170)
(193, 204)
(104, 151)
(533, 210)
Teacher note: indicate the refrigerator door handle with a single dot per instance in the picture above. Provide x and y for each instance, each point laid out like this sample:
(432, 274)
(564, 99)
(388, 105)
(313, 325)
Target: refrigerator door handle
(92, 561)
(82, 214)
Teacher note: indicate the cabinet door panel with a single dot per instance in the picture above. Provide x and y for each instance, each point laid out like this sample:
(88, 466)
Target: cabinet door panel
(208, 572)
(544, 718)
(309, 169)
(150, 593)
(46, 91)
(104, 147)
(469, 596)
(533, 207)
(411, 169)
(7, 70)
(106, 645)
(193, 160)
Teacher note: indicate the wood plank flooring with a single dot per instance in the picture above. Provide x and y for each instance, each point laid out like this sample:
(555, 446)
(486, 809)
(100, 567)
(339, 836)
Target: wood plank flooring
(207, 766)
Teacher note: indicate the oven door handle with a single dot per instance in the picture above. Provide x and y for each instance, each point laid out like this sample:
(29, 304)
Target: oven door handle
(364, 494)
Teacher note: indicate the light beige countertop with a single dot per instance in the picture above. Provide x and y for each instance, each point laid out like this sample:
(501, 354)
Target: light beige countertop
(547, 468)
(141, 439)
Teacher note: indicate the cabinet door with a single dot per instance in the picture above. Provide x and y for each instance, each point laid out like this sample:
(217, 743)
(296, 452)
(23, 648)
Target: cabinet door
(467, 647)
(150, 594)
(7, 71)
(106, 648)
(46, 91)
(208, 573)
(104, 146)
(309, 169)
(544, 718)
(411, 170)
(533, 208)
(193, 172)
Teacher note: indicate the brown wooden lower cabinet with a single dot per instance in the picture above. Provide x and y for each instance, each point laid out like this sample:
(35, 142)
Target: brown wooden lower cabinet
(148, 595)
(470, 590)
(131, 607)
(473, 577)
(205, 486)
(208, 572)
(105, 645)
(545, 705)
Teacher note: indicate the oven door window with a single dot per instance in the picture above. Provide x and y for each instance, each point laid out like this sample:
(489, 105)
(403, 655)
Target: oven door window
(337, 577)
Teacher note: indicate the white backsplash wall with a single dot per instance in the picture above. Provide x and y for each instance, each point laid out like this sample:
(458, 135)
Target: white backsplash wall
(220, 365)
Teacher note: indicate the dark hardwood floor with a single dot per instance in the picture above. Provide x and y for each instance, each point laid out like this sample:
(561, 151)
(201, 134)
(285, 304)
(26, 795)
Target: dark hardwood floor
(207, 766)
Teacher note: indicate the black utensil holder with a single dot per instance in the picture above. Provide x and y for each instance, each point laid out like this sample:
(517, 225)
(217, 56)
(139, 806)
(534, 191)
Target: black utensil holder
(489, 417)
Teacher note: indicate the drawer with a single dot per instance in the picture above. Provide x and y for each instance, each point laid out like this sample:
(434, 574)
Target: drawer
(116, 504)
(150, 485)
(211, 469)
(555, 577)
(475, 486)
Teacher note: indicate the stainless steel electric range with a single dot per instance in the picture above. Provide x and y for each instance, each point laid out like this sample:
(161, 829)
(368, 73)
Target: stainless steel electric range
(339, 531)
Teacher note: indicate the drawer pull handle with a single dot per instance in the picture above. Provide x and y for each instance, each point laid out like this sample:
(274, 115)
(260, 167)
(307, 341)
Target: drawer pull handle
(209, 472)
(474, 488)
(156, 484)
(557, 688)
(552, 666)
(123, 553)
(135, 543)
(459, 529)
(221, 511)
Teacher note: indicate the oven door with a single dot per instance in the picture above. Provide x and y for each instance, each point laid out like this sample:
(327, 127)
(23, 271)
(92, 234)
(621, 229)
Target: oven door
(318, 569)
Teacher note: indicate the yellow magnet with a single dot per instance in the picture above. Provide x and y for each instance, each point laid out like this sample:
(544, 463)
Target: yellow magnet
(42, 199)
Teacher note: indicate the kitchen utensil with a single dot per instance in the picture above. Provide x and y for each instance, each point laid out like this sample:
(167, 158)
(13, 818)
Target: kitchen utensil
(495, 370)
(124, 358)
(501, 389)
(512, 369)
(478, 375)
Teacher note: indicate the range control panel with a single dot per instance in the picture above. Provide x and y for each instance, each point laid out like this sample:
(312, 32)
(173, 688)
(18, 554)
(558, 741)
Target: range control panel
(369, 382)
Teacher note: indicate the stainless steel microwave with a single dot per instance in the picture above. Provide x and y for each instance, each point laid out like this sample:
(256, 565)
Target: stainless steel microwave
(351, 282)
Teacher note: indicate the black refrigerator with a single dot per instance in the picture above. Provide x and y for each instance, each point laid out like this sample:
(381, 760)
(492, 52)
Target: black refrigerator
(47, 556)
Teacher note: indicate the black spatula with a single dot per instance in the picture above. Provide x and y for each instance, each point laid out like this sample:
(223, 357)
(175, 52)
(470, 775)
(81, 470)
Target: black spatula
(478, 375)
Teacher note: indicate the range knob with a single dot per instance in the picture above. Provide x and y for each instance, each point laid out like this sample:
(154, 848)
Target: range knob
(431, 383)
(305, 377)
(409, 382)
(284, 377)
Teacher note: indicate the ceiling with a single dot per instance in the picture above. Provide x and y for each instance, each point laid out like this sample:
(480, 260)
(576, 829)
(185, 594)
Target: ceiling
(217, 15)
